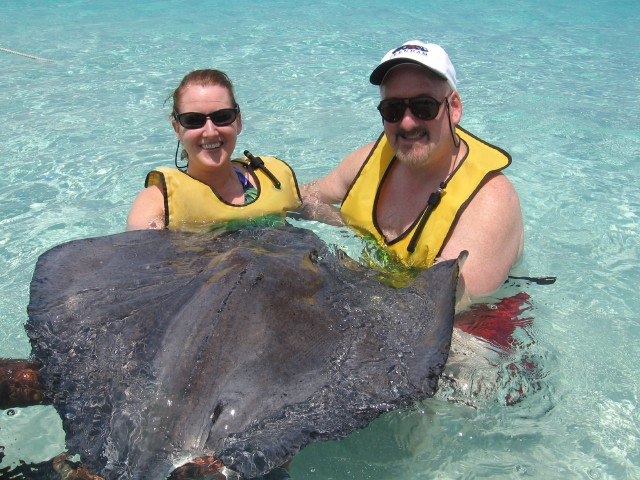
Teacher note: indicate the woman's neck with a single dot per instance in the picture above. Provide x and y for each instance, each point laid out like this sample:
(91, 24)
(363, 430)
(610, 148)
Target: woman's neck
(224, 182)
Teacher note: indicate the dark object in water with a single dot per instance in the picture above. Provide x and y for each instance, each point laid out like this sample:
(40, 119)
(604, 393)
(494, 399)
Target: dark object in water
(160, 347)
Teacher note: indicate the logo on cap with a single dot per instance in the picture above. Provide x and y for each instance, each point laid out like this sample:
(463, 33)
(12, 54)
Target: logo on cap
(410, 49)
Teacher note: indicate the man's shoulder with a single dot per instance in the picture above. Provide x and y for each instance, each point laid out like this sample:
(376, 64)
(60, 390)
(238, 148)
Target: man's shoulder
(351, 164)
(497, 193)
(499, 184)
(359, 155)
(491, 229)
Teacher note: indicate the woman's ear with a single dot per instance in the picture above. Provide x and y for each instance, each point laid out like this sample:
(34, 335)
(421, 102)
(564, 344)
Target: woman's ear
(176, 128)
(239, 123)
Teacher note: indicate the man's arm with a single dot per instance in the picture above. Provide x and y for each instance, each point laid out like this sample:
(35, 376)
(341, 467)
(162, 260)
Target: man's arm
(320, 197)
(313, 208)
(491, 230)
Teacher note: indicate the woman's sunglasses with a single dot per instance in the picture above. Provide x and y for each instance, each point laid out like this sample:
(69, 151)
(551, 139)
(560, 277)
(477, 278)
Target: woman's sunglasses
(425, 108)
(220, 118)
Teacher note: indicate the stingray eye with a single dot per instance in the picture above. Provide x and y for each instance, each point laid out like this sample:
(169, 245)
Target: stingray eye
(313, 256)
(217, 411)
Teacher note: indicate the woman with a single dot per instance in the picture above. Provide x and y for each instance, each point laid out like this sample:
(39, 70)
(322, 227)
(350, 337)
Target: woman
(212, 188)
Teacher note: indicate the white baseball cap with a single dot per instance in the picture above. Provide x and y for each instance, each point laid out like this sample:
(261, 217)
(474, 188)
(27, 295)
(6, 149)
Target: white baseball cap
(429, 55)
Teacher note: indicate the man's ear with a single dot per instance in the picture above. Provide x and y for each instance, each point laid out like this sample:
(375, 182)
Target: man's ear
(455, 104)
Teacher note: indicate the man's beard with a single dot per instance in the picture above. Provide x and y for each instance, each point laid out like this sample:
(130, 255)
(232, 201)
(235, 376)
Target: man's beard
(418, 153)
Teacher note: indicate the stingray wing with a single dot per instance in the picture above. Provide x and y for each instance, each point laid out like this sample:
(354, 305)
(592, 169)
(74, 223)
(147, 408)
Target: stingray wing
(390, 349)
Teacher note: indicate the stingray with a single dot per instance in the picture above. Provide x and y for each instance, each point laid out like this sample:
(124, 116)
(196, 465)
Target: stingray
(160, 347)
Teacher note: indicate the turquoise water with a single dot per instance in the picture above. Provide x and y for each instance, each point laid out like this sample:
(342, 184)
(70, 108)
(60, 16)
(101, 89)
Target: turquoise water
(555, 84)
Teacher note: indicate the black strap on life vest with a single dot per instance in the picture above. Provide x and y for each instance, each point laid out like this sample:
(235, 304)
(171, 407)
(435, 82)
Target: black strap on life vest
(434, 200)
(256, 162)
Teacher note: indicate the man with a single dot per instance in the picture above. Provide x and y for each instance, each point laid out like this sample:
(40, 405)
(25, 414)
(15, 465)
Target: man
(427, 189)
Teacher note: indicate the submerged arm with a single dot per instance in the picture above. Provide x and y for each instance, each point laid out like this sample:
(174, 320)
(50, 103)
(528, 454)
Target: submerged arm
(20, 384)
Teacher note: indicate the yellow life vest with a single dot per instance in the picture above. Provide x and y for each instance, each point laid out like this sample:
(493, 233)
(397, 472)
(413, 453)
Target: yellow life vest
(423, 241)
(193, 205)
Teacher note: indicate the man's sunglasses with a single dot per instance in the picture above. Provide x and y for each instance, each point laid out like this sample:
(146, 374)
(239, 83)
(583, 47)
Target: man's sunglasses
(220, 118)
(425, 108)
